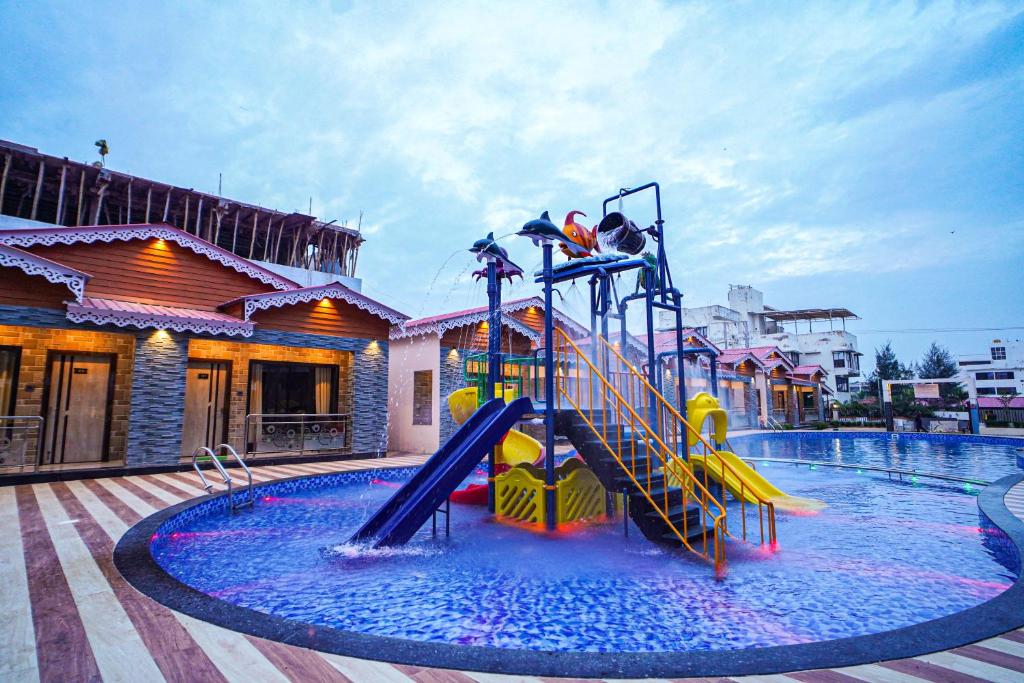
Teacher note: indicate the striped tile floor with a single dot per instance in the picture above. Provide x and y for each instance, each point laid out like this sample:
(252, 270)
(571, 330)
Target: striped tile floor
(67, 615)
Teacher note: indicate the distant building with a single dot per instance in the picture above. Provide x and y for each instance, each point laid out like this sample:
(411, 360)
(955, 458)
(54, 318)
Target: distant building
(747, 323)
(998, 375)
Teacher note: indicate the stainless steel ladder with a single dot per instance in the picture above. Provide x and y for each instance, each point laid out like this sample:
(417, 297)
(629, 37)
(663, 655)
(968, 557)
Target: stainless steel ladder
(228, 481)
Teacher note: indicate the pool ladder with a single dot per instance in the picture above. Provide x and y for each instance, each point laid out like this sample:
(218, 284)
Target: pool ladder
(205, 452)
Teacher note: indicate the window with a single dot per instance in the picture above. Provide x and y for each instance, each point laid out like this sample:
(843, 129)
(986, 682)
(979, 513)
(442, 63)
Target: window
(986, 391)
(1002, 375)
(839, 359)
(422, 397)
(998, 353)
(794, 356)
(292, 388)
(702, 331)
(1006, 391)
(973, 362)
(842, 383)
(9, 357)
(984, 375)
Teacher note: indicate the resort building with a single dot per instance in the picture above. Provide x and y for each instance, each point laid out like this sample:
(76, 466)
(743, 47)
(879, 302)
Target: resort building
(432, 357)
(998, 375)
(747, 322)
(132, 345)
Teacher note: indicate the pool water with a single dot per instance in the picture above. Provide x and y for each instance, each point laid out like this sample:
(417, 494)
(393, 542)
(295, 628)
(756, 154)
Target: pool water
(981, 458)
(883, 555)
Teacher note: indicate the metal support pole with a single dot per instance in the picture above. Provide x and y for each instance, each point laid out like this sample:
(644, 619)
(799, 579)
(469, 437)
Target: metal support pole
(493, 363)
(652, 371)
(549, 392)
(681, 369)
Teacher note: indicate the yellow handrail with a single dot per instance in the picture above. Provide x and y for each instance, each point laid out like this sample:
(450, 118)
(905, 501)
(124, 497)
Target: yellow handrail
(723, 466)
(626, 415)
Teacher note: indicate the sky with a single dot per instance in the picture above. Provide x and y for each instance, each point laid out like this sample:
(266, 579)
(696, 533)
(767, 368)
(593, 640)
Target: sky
(859, 155)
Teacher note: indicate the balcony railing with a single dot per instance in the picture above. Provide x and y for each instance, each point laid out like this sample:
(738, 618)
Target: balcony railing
(297, 434)
(20, 437)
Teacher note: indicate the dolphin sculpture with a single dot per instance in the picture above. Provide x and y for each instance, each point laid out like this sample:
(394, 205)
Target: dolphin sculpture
(541, 230)
(489, 249)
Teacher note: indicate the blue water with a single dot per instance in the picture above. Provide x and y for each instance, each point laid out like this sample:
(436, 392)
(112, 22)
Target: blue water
(883, 555)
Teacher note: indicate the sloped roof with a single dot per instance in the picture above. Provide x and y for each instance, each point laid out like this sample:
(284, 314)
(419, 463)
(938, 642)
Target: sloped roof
(54, 272)
(808, 370)
(143, 231)
(132, 314)
(439, 324)
(254, 302)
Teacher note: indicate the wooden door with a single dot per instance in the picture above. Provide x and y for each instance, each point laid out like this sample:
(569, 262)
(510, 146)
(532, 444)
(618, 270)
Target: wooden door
(206, 405)
(79, 390)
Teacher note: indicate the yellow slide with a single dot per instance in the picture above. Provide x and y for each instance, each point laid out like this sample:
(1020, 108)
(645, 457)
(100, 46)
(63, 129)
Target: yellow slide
(516, 448)
(754, 485)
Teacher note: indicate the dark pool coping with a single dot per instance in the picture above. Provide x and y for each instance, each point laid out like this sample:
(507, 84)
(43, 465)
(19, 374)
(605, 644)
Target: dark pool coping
(1003, 613)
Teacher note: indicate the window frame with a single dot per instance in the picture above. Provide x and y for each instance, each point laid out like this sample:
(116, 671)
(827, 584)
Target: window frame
(12, 407)
(417, 410)
(998, 352)
(335, 384)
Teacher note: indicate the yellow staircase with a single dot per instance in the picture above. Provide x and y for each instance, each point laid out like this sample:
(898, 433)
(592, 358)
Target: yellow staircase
(647, 441)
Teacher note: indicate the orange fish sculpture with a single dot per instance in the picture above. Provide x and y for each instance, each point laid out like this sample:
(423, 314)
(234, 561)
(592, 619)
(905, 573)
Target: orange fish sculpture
(580, 236)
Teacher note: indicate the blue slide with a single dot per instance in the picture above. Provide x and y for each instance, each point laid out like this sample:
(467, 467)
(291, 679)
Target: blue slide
(411, 506)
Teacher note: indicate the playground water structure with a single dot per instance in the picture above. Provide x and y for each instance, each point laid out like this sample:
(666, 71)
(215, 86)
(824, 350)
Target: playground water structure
(883, 555)
(840, 563)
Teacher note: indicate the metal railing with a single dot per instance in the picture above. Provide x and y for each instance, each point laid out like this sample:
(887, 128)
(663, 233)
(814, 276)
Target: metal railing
(20, 437)
(891, 471)
(673, 427)
(297, 433)
(655, 447)
(204, 454)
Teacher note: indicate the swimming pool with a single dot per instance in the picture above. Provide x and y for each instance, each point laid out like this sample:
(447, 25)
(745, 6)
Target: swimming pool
(884, 555)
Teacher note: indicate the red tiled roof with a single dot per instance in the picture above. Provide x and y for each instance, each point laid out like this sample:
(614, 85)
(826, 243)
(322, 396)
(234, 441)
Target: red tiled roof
(808, 370)
(666, 341)
(510, 305)
(132, 314)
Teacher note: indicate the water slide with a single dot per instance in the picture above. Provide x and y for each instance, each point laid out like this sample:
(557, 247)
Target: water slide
(754, 484)
(412, 505)
(514, 449)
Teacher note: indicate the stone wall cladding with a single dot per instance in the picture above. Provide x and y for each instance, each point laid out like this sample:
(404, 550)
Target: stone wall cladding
(158, 398)
(752, 406)
(142, 424)
(369, 388)
(450, 380)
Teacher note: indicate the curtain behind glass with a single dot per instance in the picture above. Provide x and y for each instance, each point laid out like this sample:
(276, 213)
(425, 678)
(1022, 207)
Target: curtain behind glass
(323, 389)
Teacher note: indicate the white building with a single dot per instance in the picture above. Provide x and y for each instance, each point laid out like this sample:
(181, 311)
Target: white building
(746, 322)
(999, 371)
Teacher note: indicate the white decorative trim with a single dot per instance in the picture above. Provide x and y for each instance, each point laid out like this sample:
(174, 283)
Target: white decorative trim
(89, 235)
(333, 291)
(142, 321)
(54, 272)
(441, 326)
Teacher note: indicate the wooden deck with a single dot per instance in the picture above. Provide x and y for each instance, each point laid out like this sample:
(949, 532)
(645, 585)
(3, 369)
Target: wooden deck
(69, 616)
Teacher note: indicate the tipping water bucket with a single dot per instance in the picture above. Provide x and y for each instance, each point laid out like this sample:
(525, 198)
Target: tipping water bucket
(621, 234)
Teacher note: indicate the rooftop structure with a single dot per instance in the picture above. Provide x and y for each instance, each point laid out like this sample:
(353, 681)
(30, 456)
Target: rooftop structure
(39, 190)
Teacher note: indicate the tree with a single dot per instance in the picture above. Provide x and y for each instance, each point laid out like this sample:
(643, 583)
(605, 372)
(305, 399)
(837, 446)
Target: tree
(937, 363)
(888, 366)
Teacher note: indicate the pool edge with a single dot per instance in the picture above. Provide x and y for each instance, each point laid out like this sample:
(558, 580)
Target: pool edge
(1003, 613)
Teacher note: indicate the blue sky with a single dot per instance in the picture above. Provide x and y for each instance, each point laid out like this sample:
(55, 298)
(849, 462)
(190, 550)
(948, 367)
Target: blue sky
(831, 154)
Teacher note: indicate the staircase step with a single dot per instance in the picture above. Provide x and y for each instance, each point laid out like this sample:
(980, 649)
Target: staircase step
(693, 532)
